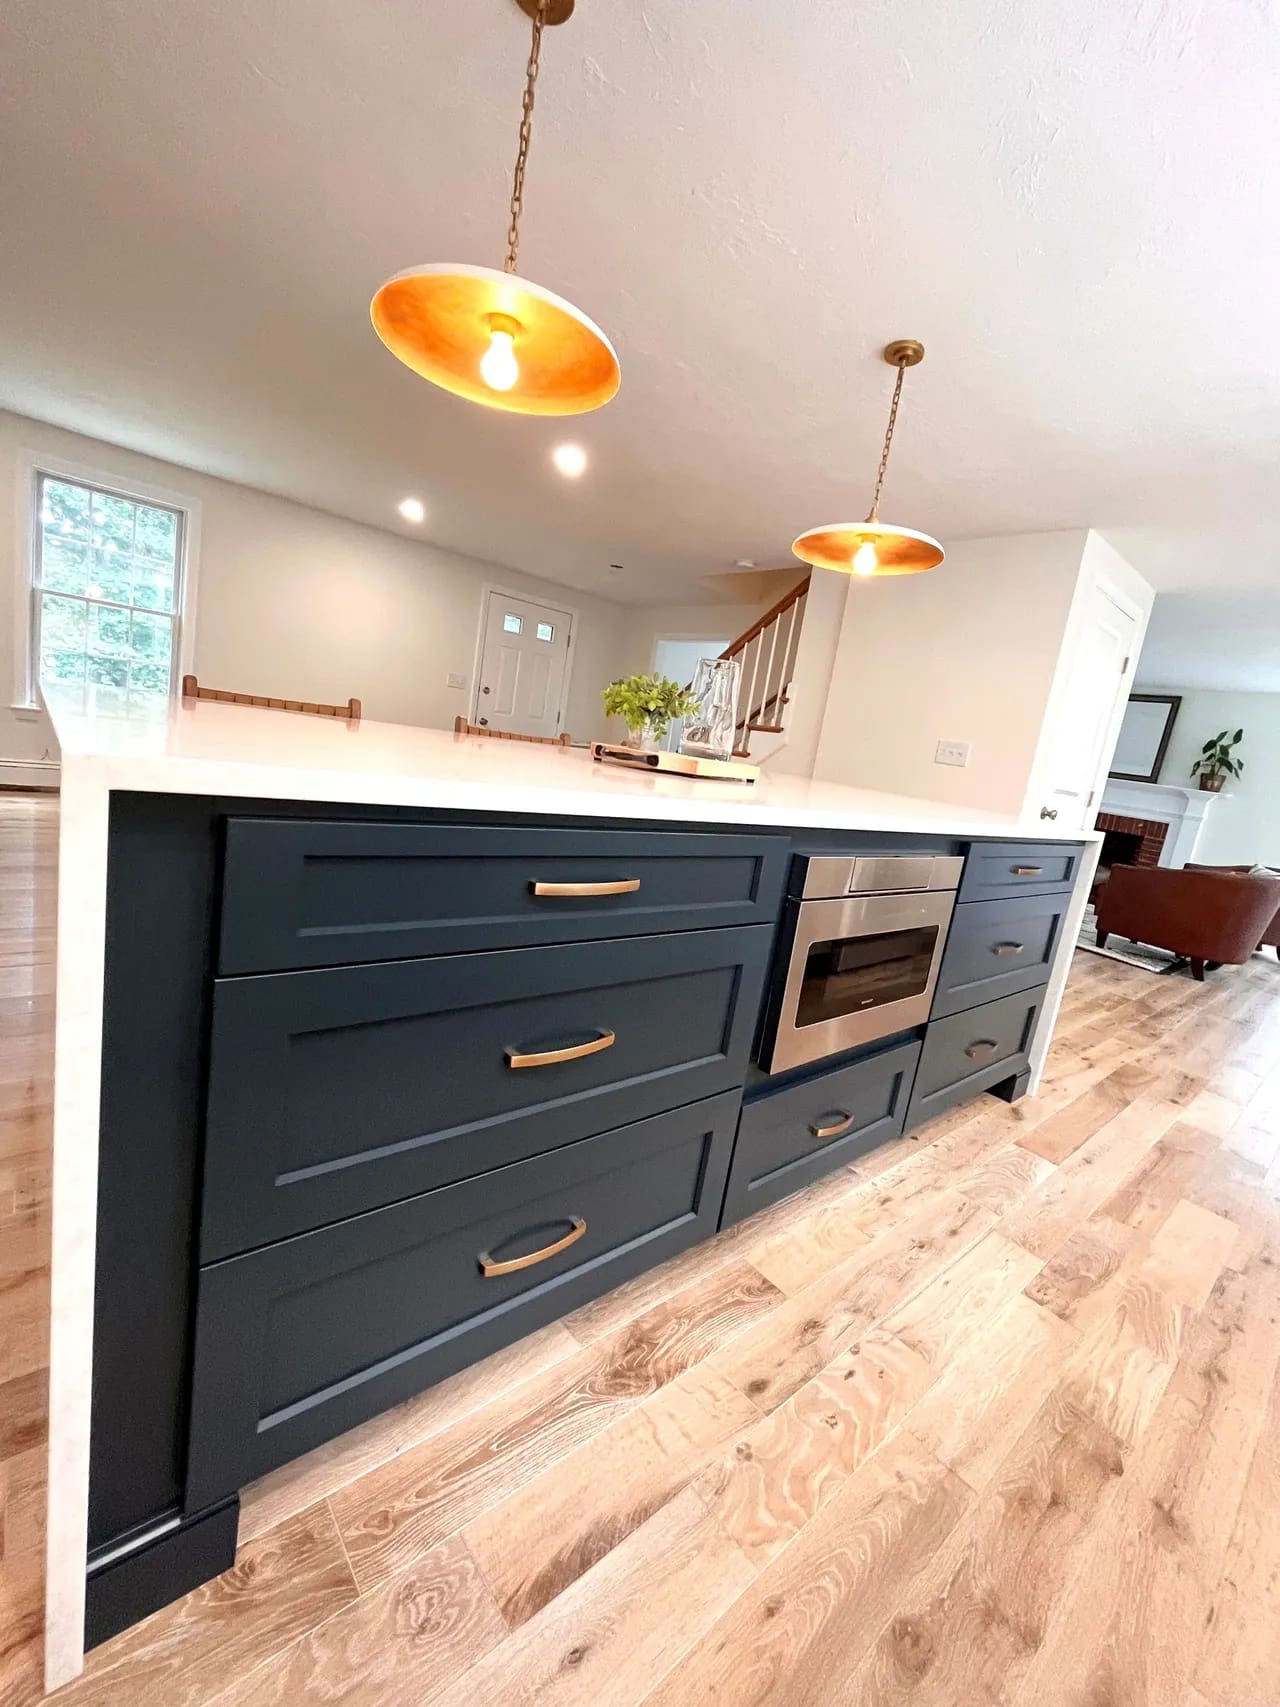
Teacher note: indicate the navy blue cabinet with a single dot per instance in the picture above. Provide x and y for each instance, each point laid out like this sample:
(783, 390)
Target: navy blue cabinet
(791, 1137)
(996, 948)
(297, 1342)
(337, 1091)
(303, 893)
(971, 1052)
(996, 871)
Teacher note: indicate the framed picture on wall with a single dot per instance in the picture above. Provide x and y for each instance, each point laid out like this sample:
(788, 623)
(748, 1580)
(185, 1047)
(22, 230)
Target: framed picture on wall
(1144, 736)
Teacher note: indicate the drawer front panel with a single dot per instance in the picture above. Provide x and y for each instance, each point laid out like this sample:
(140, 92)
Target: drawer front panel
(996, 948)
(333, 1092)
(996, 871)
(304, 1339)
(794, 1136)
(971, 1051)
(326, 894)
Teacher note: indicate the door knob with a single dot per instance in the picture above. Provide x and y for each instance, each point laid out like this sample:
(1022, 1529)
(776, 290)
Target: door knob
(484, 690)
(1045, 811)
(484, 722)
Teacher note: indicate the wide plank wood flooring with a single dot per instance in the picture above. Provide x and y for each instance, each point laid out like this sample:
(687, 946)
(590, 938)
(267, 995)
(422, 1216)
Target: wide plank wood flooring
(991, 1417)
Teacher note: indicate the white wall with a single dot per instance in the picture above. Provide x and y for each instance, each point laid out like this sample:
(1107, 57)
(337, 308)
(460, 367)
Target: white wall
(646, 625)
(306, 605)
(967, 652)
(1244, 822)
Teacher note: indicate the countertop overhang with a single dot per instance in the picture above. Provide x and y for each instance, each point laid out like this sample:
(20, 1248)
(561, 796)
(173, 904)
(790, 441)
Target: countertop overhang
(218, 749)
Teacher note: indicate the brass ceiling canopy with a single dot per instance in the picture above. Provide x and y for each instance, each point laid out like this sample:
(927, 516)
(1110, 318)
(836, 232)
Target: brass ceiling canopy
(489, 335)
(873, 547)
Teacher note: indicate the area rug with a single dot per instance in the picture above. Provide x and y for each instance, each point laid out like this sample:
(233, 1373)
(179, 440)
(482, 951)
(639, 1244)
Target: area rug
(1131, 953)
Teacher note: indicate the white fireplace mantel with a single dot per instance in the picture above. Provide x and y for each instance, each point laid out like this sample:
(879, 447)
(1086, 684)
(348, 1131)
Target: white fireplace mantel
(1183, 809)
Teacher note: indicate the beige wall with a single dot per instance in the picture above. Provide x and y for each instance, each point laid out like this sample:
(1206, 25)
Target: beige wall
(1244, 822)
(309, 605)
(965, 653)
(647, 624)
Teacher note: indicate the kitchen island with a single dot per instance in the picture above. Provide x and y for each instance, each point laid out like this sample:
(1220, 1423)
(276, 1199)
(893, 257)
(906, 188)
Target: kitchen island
(309, 976)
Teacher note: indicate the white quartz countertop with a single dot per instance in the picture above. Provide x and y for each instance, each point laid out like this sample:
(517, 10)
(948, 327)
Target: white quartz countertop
(212, 748)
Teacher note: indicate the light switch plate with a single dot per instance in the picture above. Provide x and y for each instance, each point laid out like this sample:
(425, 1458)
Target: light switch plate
(952, 753)
(456, 681)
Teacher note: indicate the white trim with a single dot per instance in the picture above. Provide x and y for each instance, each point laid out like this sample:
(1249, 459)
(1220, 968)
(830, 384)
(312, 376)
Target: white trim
(487, 589)
(29, 465)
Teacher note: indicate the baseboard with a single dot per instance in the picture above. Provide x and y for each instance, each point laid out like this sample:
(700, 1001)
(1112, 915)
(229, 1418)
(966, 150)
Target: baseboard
(29, 773)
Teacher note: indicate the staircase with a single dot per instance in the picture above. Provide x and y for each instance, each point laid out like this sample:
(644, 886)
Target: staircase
(767, 653)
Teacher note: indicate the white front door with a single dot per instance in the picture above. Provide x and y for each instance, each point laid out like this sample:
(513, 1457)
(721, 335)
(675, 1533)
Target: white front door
(524, 653)
(1089, 711)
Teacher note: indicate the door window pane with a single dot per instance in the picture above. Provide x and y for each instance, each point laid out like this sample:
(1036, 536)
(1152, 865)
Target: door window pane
(546, 631)
(512, 624)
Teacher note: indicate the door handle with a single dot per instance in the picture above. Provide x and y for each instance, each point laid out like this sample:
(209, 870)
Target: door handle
(552, 1057)
(833, 1131)
(491, 1270)
(1026, 870)
(623, 886)
(983, 1047)
(1003, 948)
(1048, 811)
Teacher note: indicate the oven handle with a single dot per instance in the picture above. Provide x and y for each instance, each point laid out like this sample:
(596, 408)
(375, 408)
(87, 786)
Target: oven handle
(842, 1124)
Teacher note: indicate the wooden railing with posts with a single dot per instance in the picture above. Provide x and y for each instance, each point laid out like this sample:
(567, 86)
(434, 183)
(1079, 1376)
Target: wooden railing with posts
(193, 690)
(767, 653)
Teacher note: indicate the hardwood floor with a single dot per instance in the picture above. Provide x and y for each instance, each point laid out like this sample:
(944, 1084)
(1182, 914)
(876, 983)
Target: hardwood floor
(991, 1417)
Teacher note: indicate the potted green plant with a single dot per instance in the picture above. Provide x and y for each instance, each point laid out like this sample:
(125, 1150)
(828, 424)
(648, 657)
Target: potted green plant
(1216, 763)
(647, 704)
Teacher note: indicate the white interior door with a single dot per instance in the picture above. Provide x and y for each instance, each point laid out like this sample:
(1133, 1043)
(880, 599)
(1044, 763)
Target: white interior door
(1088, 713)
(524, 656)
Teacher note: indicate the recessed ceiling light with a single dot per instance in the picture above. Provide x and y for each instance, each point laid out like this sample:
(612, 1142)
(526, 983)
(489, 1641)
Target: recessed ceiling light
(571, 460)
(413, 509)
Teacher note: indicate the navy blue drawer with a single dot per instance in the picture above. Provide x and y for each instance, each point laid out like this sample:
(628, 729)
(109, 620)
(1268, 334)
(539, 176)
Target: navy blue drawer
(336, 1091)
(971, 1052)
(298, 1342)
(996, 948)
(996, 871)
(304, 893)
(792, 1137)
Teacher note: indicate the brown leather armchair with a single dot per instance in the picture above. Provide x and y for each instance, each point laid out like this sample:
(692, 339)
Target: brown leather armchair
(1271, 936)
(1210, 918)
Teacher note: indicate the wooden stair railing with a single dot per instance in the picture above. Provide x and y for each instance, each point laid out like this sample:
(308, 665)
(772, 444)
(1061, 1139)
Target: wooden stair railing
(760, 701)
(350, 712)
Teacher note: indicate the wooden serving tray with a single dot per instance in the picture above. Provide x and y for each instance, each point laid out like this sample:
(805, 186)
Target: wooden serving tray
(678, 764)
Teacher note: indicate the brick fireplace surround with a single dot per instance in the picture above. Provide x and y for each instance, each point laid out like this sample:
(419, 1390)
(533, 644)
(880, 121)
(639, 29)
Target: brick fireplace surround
(1151, 835)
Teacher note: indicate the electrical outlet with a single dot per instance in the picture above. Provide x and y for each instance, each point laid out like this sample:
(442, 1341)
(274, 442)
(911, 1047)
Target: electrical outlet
(456, 681)
(951, 753)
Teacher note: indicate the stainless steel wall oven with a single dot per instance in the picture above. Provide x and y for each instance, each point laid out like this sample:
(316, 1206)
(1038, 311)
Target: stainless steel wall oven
(861, 944)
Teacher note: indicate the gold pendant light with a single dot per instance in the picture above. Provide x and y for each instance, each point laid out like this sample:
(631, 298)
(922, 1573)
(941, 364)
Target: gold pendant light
(874, 547)
(490, 336)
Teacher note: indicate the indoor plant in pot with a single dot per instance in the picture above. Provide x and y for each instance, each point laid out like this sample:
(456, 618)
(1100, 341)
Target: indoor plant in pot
(647, 705)
(1216, 763)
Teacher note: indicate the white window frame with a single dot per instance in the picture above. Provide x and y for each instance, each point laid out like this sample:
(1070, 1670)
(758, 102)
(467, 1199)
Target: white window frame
(31, 465)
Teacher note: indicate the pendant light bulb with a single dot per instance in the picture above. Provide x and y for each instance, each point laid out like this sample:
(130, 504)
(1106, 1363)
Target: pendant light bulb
(498, 366)
(865, 561)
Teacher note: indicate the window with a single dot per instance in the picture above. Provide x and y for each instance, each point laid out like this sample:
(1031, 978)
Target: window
(106, 591)
(546, 631)
(511, 623)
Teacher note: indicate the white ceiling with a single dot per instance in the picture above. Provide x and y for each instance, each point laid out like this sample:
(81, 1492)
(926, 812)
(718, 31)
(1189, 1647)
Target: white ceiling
(1073, 203)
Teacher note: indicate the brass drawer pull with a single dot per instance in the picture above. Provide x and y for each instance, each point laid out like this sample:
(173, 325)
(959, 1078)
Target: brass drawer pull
(1026, 870)
(491, 1270)
(984, 1046)
(623, 886)
(1008, 948)
(842, 1125)
(552, 1057)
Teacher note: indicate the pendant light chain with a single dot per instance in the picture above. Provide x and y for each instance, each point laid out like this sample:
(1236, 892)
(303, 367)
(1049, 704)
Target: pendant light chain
(874, 512)
(526, 132)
